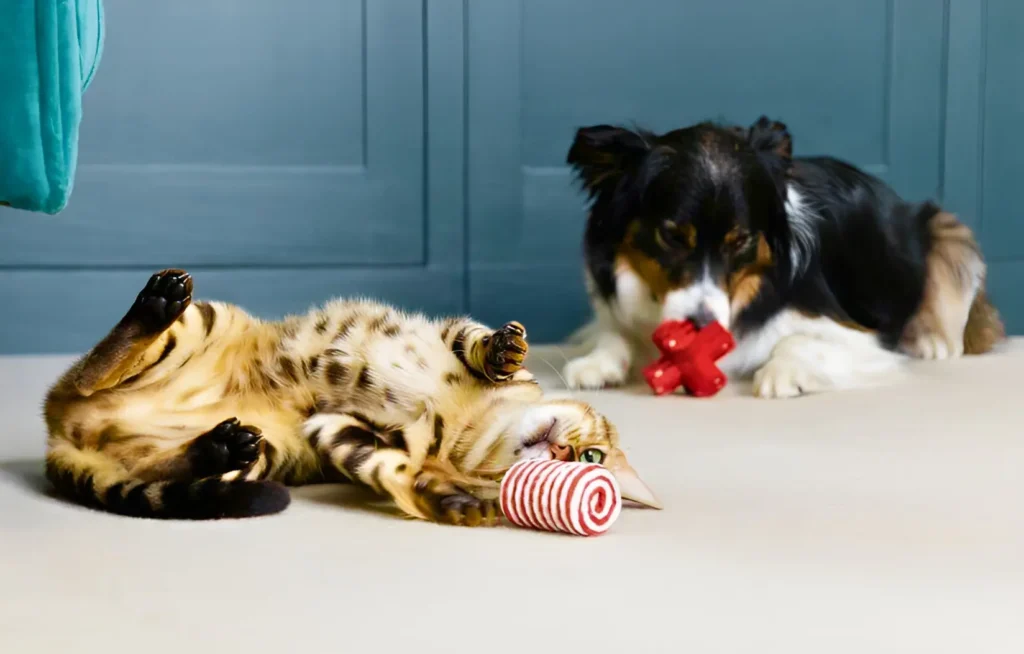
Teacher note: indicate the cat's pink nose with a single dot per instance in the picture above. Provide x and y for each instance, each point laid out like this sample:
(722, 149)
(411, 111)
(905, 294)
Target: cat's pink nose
(560, 452)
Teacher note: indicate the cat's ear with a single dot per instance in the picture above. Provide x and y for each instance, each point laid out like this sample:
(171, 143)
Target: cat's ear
(630, 484)
(602, 154)
(771, 137)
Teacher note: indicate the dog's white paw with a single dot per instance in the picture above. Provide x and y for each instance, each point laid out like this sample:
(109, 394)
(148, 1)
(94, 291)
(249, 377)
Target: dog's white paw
(933, 346)
(596, 370)
(784, 377)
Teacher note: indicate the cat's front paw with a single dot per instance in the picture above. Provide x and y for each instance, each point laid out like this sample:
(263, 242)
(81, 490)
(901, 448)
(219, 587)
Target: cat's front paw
(165, 297)
(444, 502)
(506, 351)
(466, 510)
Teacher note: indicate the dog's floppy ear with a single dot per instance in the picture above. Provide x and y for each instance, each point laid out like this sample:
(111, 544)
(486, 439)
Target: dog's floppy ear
(770, 136)
(771, 139)
(742, 132)
(602, 154)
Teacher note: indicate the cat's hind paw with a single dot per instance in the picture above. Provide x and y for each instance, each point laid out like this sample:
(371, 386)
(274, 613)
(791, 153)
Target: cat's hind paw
(165, 297)
(227, 447)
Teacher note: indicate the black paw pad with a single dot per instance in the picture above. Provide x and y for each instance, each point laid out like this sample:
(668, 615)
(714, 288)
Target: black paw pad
(166, 296)
(506, 351)
(228, 446)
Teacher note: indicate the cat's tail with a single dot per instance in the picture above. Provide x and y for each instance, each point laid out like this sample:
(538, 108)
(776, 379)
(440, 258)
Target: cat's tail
(93, 479)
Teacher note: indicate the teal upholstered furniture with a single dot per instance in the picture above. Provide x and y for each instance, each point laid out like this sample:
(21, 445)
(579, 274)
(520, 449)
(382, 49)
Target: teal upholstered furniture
(49, 50)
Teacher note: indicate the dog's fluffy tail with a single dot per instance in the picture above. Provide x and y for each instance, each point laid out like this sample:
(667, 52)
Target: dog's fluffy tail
(984, 328)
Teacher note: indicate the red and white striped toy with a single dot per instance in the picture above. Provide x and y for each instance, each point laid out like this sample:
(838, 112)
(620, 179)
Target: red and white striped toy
(564, 496)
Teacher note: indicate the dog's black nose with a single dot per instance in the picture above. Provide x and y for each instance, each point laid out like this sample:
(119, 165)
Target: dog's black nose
(702, 317)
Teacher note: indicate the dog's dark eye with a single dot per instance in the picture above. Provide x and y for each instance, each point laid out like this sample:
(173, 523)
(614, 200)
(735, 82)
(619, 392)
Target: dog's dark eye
(671, 236)
(738, 241)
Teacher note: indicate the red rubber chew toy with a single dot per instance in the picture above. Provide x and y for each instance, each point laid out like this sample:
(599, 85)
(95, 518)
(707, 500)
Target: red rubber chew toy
(688, 357)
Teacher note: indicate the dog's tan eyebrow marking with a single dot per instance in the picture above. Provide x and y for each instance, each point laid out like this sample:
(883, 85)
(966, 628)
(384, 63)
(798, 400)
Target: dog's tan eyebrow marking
(653, 275)
(735, 234)
(744, 285)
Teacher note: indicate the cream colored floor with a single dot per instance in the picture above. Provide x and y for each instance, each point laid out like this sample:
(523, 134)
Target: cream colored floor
(887, 520)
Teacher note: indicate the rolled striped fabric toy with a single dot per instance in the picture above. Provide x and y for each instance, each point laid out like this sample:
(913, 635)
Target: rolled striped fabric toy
(568, 497)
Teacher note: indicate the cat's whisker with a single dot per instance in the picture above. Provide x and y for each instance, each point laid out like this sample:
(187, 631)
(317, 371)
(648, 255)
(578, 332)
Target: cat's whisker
(561, 353)
(558, 374)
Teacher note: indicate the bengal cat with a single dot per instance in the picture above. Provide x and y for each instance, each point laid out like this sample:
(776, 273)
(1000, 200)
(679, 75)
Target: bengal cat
(198, 410)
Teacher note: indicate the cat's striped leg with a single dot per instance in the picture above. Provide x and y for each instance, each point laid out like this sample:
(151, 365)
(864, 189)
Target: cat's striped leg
(389, 461)
(216, 475)
(230, 449)
(371, 455)
(139, 339)
(161, 331)
(492, 354)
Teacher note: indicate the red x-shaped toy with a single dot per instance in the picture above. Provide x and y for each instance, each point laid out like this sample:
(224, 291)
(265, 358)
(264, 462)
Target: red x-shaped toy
(688, 357)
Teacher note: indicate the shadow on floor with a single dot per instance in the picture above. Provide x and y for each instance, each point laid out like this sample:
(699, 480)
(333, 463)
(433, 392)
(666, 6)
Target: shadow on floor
(27, 474)
(347, 497)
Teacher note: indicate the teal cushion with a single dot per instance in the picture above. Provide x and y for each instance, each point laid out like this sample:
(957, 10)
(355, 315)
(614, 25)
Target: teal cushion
(49, 50)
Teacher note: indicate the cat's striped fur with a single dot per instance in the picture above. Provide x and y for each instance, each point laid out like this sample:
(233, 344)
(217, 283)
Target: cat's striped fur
(198, 410)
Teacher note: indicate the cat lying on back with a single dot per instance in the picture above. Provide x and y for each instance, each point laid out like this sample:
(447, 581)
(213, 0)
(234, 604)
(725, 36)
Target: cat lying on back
(198, 410)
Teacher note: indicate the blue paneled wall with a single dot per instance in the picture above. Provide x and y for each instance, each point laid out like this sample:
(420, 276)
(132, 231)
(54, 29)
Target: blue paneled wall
(413, 150)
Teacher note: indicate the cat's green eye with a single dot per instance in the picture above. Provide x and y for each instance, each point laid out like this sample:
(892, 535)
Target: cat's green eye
(592, 456)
